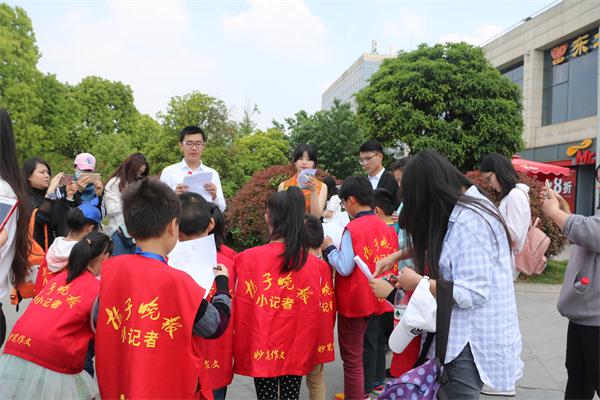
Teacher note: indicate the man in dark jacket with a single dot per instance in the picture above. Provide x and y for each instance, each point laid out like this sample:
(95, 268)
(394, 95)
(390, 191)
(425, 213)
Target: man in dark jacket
(371, 159)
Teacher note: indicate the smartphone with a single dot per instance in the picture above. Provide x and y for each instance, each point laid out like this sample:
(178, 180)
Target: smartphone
(94, 177)
(65, 180)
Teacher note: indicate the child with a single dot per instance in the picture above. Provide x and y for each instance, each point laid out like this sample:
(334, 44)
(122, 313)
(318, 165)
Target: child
(369, 237)
(80, 221)
(383, 205)
(149, 311)
(216, 355)
(45, 353)
(277, 314)
(220, 233)
(315, 381)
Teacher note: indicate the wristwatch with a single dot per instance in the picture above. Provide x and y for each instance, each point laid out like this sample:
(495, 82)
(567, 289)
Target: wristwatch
(51, 196)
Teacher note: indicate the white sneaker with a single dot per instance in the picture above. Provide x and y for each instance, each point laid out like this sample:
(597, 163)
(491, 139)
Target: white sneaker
(490, 391)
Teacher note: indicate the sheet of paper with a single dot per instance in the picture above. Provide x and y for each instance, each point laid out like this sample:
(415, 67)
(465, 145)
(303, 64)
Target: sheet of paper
(363, 267)
(304, 177)
(334, 231)
(196, 183)
(197, 258)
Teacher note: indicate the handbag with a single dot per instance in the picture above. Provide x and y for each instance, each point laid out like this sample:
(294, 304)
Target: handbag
(424, 380)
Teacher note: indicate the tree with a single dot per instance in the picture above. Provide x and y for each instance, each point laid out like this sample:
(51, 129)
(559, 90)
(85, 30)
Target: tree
(335, 134)
(446, 97)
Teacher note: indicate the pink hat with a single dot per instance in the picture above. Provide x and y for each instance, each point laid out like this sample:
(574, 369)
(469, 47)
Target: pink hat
(85, 162)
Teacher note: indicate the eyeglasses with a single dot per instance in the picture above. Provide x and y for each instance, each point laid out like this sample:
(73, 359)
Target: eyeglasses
(193, 144)
(364, 160)
(487, 178)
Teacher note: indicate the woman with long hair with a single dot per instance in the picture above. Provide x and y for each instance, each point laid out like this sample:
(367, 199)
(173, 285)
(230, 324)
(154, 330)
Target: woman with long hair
(460, 235)
(512, 198)
(46, 350)
(133, 169)
(277, 303)
(50, 210)
(14, 240)
(315, 192)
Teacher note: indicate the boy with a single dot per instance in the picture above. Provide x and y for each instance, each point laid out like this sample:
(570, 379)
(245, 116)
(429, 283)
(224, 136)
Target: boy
(216, 356)
(148, 310)
(370, 238)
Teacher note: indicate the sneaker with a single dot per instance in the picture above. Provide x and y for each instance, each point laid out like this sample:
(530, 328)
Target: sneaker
(490, 391)
(377, 390)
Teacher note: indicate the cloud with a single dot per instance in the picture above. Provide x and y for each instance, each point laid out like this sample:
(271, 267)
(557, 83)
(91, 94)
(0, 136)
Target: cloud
(483, 33)
(140, 44)
(288, 28)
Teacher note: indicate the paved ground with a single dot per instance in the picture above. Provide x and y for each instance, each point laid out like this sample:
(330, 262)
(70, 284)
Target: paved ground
(544, 340)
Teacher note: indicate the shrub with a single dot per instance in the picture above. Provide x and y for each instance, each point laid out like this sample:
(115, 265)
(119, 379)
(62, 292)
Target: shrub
(557, 240)
(246, 213)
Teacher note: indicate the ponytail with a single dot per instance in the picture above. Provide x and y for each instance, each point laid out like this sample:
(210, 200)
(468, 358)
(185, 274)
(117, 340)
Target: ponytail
(286, 219)
(91, 246)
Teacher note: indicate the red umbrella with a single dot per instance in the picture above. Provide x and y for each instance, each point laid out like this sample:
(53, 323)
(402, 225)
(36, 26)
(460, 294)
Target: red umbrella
(534, 167)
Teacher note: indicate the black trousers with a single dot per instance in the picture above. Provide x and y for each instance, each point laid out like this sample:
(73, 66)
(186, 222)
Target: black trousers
(2, 326)
(377, 334)
(286, 387)
(582, 361)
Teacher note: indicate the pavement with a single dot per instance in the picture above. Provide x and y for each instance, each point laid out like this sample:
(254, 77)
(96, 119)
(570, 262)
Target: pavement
(544, 341)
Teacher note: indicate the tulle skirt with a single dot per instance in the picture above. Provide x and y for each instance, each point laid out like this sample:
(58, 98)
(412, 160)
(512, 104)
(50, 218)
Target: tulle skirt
(22, 379)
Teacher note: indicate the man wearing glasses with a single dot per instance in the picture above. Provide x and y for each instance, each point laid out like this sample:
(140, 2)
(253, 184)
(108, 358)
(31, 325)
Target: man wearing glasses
(192, 140)
(371, 159)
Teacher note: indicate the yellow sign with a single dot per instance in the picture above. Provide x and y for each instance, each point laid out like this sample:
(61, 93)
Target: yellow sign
(585, 143)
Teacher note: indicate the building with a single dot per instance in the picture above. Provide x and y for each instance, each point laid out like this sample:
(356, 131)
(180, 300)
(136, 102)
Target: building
(352, 80)
(553, 57)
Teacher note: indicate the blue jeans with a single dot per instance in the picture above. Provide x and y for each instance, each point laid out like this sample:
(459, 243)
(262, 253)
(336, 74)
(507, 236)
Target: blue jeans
(461, 378)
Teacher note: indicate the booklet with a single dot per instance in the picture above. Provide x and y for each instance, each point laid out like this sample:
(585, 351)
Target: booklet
(304, 177)
(8, 205)
(196, 183)
(197, 258)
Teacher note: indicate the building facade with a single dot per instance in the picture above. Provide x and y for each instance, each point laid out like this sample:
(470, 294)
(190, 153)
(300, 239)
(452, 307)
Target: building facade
(553, 57)
(352, 80)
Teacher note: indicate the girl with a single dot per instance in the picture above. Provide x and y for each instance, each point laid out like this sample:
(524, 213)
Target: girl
(45, 353)
(333, 207)
(133, 169)
(513, 198)
(14, 240)
(461, 236)
(80, 221)
(277, 309)
(315, 193)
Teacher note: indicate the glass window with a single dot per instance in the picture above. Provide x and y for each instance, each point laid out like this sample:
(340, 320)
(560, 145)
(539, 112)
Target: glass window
(583, 81)
(515, 74)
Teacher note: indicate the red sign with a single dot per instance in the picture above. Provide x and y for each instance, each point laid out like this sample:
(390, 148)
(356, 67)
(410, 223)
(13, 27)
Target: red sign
(585, 157)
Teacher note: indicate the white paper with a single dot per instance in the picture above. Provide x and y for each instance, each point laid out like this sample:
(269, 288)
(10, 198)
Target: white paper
(334, 231)
(196, 183)
(197, 258)
(363, 267)
(304, 177)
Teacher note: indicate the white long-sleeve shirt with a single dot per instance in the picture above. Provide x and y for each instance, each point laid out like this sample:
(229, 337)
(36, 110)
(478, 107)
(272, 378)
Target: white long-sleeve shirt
(113, 205)
(174, 174)
(7, 252)
(516, 211)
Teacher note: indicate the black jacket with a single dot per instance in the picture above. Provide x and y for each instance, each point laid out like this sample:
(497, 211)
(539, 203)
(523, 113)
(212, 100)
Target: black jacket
(388, 182)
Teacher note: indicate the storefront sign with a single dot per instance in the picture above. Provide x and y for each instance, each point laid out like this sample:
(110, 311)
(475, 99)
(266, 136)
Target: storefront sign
(579, 46)
(583, 155)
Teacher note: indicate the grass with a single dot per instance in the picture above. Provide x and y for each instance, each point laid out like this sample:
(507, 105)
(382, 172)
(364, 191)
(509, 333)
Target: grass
(553, 274)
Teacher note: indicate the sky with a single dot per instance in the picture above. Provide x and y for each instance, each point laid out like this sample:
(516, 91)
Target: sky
(278, 54)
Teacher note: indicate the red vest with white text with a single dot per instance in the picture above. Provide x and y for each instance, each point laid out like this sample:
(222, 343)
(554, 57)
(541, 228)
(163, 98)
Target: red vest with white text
(55, 330)
(372, 240)
(144, 330)
(278, 317)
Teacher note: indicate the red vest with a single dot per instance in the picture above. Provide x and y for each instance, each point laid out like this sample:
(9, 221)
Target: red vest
(43, 277)
(278, 318)
(372, 240)
(227, 252)
(216, 355)
(325, 349)
(144, 330)
(54, 331)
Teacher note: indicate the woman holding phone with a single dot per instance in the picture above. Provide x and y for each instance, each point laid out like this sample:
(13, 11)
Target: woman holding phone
(49, 210)
(89, 184)
(14, 243)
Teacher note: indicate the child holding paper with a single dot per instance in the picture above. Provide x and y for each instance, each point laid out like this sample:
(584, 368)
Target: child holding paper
(216, 355)
(149, 311)
(315, 192)
(368, 237)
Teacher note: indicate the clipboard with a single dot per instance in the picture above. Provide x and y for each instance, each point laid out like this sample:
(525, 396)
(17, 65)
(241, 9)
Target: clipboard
(8, 205)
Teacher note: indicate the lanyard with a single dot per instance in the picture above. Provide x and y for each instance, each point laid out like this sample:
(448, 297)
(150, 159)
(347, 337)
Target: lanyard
(148, 254)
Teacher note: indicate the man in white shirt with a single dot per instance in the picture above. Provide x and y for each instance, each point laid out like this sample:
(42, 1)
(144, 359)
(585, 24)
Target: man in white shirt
(370, 158)
(192, 140)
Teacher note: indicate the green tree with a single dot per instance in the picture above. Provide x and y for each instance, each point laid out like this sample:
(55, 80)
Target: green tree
(335, 134)
(19, 77)
(447, 97)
